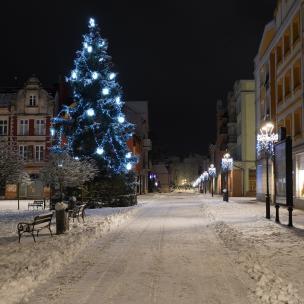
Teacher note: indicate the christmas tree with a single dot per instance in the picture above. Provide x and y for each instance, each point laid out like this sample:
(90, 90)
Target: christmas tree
(95, 126)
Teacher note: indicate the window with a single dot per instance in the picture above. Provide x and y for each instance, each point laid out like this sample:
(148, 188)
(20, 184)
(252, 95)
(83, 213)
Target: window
(24, 127)
(40, 127)
(296, 29)
(32, 102)
(288, 125)
(298, 122)
(3, 127)
(279, 53)
(23, 152)
(286, 42)
(39, 153)
(296, 75)
(280, 91)
(287, 83)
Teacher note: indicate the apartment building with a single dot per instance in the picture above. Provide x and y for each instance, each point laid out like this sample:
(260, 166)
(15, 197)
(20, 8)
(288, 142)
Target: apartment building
(25, 119)
(279, 86)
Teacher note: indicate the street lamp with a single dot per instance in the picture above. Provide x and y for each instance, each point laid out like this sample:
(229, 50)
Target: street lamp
(212, 175)
(227, 164)
(265, 143)
(205, 179)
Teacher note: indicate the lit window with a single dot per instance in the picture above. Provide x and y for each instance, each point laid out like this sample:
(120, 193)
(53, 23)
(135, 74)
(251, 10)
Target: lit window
(3, 127)
(39, 153)
(40, 127)
(24, 127)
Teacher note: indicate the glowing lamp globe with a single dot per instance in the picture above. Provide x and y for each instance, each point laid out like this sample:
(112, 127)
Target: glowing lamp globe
(94, 75)
(105, 91)
(99, 151)
(121, 119)
(90, 112)
(112, 76)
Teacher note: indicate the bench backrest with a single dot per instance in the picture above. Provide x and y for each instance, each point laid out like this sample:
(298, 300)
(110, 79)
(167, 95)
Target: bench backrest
(38, 202)
(44, 218)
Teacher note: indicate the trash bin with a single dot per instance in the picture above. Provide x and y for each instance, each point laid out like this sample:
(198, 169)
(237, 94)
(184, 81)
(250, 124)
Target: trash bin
(225, 195)
(62, 218)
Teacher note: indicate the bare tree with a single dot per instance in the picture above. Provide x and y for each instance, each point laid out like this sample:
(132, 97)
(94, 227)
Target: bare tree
(11, 167)
(66, 171)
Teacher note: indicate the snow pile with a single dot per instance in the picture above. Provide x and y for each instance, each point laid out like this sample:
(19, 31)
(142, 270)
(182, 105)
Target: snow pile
(269, 253)
(24, 266)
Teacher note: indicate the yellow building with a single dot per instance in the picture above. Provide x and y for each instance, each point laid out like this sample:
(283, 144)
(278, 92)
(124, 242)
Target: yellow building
(279, 85)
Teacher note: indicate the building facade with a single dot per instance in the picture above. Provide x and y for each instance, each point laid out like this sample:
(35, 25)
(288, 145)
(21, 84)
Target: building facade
(137, 112)
(25, 119)
(279, 86)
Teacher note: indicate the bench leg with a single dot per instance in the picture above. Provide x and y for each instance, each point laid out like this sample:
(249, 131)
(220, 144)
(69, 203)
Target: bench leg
(19, 235)
(33, 237)
(37, 232)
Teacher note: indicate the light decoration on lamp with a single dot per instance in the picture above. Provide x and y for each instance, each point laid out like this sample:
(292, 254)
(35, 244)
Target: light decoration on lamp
(129, 155)
(90, 112)
(74, 75)
(266, 139)
(105, 91)
(227, 162)
(212, 171)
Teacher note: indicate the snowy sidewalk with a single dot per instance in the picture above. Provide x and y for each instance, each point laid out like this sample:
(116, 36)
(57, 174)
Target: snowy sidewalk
(24, 266)
(270, 253)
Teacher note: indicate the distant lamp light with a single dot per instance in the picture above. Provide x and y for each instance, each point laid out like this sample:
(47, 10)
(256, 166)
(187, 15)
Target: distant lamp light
(121, 119)
(90, 112)
(99, 151)
(105, 91)
(90, 49)
(129, 155)
(129, 166)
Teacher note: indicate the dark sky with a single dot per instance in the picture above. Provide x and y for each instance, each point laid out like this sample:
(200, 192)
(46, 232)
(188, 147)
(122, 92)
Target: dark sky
(181, 56)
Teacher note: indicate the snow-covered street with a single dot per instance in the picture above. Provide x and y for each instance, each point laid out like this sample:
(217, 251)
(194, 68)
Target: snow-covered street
(172, 248)
(167, 253)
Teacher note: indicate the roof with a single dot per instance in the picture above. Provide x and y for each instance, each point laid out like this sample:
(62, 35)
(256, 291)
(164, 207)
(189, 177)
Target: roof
(6, 99)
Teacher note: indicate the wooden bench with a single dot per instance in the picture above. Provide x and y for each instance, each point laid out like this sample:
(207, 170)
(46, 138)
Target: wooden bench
(40, 222)
(77, 211)
(37, 204)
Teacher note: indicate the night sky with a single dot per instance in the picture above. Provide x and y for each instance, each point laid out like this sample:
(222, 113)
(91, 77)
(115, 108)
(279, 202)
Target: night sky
(181, 56)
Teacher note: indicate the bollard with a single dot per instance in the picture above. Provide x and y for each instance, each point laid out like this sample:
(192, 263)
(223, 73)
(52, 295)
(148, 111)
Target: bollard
(62, 218)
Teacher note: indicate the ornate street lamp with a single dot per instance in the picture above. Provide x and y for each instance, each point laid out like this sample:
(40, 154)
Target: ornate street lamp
(227, 165)
(265, 142)
(205, 180)
(212, 175)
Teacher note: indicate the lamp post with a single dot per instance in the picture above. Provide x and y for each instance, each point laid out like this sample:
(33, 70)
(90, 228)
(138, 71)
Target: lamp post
(212, 175)
(227, 164)
(265, 142)
(205, 179)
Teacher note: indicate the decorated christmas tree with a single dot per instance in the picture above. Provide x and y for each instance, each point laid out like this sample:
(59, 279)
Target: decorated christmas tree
(96, 125)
